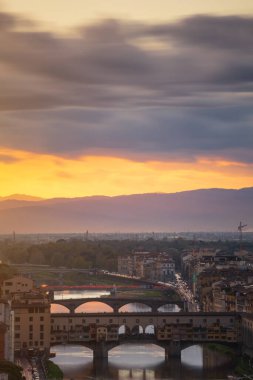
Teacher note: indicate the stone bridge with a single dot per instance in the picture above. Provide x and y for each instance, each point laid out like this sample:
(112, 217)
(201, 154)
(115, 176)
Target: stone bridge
(173, 331)
(116, 303)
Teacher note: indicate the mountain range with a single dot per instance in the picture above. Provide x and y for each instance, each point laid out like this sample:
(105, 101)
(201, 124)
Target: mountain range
(196, 210)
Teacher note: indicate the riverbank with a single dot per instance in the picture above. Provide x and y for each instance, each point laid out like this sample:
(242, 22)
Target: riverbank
(243, 366)
(53, 371)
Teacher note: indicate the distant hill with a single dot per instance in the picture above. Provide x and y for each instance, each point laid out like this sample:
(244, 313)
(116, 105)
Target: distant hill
(197, 210)
(21, 197)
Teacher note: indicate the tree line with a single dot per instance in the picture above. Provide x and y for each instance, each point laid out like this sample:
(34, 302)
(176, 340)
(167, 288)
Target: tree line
(99, 254)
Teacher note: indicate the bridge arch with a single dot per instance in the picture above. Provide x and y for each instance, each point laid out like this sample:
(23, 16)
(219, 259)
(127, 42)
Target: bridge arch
(93, 307)
(135, 306)
(124, 330)
(168, 308)
(149, 330)
(59, 308)
(137, 330)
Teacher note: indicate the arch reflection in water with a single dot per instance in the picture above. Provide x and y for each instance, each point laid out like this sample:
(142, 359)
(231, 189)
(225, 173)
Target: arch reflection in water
(192, 356)
(73, 360)
(136, 374)
(131, 361)
(136, 356)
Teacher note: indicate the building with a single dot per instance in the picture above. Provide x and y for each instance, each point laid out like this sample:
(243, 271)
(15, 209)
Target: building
(147, 265)
(31, 312)
(16, 284)
(6, 331)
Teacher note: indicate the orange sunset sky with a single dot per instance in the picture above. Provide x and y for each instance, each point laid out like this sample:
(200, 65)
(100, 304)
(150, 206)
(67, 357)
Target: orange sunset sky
(113, 97)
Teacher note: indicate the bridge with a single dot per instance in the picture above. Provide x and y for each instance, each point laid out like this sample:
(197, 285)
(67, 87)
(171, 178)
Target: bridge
(116, 303)
(173, 331)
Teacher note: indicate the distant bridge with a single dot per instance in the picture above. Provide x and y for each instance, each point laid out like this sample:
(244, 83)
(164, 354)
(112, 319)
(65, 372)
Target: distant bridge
(116, 303)
(172, 331)
(110, 287)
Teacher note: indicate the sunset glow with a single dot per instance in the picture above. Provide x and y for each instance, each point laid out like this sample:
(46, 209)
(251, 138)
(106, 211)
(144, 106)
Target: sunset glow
(51, 176)
(123, 98)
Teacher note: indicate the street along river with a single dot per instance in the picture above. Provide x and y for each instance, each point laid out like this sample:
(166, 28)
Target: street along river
(132, 361)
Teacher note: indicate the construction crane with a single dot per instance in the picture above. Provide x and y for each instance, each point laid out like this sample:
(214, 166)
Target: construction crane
(240, 229)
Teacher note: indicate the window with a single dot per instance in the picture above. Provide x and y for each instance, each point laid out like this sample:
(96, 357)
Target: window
(110, 320)
(41, 327)
(17, 319)
(31, 336)
(41, 343)
(30, 319)
(97, 320)
(41, 335)
(17, 336)
(31, 328)
(41, 319)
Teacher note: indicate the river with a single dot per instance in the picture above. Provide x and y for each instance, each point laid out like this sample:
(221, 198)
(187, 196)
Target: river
(132, 361)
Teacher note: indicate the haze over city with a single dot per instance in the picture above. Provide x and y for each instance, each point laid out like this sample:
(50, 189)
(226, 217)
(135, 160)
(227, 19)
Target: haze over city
(116, 98)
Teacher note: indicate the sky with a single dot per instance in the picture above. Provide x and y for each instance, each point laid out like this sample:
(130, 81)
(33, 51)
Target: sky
(111, 97)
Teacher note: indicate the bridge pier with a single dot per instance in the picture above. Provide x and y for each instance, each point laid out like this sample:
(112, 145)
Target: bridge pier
(100, 367)
(100, 351)
(173, 350)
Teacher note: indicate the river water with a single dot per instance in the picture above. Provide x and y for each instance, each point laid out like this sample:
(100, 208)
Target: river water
(132, 361)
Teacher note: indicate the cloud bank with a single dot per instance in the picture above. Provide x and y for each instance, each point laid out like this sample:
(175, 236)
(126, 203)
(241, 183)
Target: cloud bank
(145, 92)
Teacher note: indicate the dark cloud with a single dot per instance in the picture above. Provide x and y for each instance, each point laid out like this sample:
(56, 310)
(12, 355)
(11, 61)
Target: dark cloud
(227, 32)
(177, 90)
(145, 134)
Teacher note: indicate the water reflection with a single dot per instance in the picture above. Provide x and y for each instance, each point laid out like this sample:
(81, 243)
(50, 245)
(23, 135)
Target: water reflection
(140, 356)
(68, 294)
(130, 361)
(136, 362)
(192, 356)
